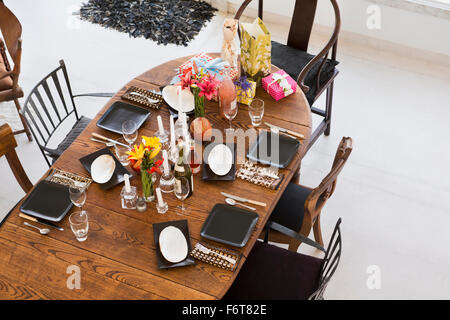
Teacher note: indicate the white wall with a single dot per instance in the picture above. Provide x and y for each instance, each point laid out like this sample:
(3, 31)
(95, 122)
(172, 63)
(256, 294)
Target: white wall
(397, 25)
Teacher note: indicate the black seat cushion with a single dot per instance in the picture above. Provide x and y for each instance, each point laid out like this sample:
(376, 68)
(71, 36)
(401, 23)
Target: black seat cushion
(273, 273)
(293, 61)
(77, 128)
(289, 210)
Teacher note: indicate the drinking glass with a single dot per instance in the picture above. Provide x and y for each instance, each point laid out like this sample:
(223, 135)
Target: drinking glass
(230, 111)
(121, 152)
(77, 196)
(129, 131)
(256, 111)
(181, 191)
(79, 224)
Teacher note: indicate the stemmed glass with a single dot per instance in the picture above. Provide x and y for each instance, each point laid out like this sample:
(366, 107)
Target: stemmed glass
(181, 191)
(230, 111)
(129, 131)
(77, 196)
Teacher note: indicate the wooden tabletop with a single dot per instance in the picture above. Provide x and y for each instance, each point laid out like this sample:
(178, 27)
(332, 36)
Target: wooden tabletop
(118, 260)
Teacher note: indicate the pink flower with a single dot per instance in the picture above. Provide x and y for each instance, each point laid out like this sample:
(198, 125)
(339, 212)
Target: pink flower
(186, 80)
(208, 87)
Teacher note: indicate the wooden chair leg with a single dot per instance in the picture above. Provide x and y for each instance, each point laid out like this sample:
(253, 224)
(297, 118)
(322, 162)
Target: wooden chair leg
(24, 123)
(329, 107)
(317, 231)
(18, 171)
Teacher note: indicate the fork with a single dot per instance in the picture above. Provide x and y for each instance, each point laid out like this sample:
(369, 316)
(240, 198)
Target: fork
(206, 250)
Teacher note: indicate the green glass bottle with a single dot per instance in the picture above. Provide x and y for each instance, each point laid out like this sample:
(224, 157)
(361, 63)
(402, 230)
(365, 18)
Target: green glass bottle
(183, 169)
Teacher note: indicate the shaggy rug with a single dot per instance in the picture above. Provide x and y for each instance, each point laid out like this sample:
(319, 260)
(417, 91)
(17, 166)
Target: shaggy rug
(163, 21)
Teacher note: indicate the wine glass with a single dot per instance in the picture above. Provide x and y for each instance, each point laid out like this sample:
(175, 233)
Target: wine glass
(182, 189)
(129, 131)
(77, 196)
(230, 111)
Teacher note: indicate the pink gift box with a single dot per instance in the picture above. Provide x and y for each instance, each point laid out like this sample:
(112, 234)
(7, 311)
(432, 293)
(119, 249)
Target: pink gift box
(275, 89)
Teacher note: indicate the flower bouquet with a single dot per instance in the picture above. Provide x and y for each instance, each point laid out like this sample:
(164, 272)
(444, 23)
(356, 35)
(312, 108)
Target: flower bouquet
(201, 84)
(142, 159)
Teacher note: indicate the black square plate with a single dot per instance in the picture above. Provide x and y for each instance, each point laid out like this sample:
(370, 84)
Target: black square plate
(183, 226)
(229, 225)
(118, 113)
(260, 150)
(49, 201)
(118, 174)
(208, 174)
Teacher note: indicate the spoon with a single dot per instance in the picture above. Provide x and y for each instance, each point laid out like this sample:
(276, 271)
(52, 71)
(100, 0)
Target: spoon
(108, 144)
(232, 202)
(42, 231)
(149, 100)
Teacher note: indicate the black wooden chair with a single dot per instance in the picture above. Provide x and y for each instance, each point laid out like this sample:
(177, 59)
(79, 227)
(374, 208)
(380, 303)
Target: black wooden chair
(300, 207)
(273, 273)
(314, 74)
(49, 105)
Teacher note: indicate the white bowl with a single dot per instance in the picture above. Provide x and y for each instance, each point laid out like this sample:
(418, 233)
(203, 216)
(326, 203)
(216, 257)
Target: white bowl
(220, 159)
(173, 244)
(103, 168)
(170, 95)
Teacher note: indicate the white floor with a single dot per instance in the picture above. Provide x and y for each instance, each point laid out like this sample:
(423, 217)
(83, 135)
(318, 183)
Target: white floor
(393, 196)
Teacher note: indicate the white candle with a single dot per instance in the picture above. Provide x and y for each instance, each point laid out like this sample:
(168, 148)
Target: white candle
(166, 163)
(127, 183)
(172, 132)
(179, 98)
(159, 196)
(160, 125)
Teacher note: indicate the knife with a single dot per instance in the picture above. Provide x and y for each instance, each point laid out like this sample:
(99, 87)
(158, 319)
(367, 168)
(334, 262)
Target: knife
(38, 220)
(108, 139)
(257, 203)
(298, 135)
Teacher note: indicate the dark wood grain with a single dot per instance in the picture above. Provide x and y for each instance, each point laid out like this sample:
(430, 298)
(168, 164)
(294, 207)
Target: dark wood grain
(118, 259)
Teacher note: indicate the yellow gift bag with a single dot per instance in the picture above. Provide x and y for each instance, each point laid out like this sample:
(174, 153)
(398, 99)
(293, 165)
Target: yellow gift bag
(255, 50)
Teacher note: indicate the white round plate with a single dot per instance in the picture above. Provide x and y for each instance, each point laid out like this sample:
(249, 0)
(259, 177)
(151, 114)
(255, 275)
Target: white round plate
(170, 95)
(173, 244)
(103, 168)
(220, 159)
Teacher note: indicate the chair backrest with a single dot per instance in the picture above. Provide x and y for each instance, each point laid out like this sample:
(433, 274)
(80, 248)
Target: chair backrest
(7, 148)
(319, 196)
(48, 105)
(330, 261)
(11, 30)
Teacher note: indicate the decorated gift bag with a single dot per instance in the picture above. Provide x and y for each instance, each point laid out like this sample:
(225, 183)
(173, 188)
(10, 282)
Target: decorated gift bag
(245, 90)
(255, 50)
(279, 85)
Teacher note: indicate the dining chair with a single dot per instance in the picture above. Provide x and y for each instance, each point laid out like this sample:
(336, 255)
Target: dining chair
(300, 207)
(49, 105)
(274, 273)
(8, 146)
(10, 90)
(315, 74)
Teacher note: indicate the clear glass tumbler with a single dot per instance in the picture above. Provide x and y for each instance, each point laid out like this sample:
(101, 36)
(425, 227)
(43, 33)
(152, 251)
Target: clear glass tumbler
(256, 111)
(121, 152)
(79, 224)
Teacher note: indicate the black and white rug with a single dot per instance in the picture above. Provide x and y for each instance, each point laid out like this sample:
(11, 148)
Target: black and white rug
(164, 21)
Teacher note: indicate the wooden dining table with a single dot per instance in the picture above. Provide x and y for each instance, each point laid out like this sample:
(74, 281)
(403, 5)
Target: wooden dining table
(118, 260)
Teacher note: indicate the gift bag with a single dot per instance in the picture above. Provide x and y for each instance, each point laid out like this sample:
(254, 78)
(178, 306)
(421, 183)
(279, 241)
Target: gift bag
(255, 50)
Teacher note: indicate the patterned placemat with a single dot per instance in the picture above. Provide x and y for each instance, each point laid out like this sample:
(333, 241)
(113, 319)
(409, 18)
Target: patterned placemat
(213, 257)
(69, 179)
(264, 176)
(141, 96)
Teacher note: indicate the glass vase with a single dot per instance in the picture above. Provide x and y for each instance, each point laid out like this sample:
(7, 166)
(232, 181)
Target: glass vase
(148, 180)
(199, 102)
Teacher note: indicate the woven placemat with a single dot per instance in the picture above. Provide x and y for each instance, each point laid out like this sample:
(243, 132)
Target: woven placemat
(259, 175)
(216, 260)
(138, 95)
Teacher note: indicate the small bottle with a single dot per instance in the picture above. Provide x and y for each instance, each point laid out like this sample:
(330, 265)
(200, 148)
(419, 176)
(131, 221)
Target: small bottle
(128, 195)
(161, 205)
(194, 159)
(167, 180)
(181, 127)
(173, 151)
(183, 169)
